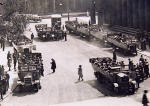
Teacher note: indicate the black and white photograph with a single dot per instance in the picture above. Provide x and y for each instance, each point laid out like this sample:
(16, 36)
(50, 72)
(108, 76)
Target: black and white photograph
(74, 52)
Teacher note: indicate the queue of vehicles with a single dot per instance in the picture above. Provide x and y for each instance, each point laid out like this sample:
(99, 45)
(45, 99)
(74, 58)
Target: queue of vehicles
(126, 43)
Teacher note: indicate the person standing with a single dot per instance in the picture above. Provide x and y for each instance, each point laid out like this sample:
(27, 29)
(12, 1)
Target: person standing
(141, 59)
(80, 73)
(146, 69)
(14, 60)
(1, 70)
(9, 60)
(114, 56)
(3, 43)
(1, 88)
(130, 64)
(32, 37)
(65, 36)
(7, 77)
(145, 99)
(42, 71)
(53, 65)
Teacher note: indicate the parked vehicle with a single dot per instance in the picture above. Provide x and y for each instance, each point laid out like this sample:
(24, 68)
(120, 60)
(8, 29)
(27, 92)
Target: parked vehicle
(113, 75)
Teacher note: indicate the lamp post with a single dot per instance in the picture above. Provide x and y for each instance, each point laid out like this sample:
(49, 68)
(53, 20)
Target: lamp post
(68, 10)
(60, 5)
(92, 12)
(54, 6)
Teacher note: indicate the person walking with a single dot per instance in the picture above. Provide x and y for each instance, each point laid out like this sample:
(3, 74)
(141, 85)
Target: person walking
(80, 73)
(53, 65)
(145, 99)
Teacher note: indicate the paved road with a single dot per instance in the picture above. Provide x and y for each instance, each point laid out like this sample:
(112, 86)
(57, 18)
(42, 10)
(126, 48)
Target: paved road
(62, 86)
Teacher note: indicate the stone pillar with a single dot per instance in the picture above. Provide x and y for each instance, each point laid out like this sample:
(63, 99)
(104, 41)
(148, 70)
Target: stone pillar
(124, 13)
(114, 13)
(119, 12)
(92, 12)
(100, 9)
(147, 15)
(142, 14)
(135, 14)
(129, 13)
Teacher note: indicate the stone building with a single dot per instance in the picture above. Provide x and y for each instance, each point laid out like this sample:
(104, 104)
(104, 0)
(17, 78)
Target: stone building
(126, 13)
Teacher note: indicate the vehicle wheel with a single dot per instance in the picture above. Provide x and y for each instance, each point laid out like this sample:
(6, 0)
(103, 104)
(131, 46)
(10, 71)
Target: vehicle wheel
(125, 52)
(20, 88)
(40, 86)
(36, 88)
(116, 90)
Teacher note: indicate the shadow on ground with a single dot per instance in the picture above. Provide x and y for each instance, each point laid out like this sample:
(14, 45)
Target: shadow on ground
(24, 92)
(103, 89)
(37, 39)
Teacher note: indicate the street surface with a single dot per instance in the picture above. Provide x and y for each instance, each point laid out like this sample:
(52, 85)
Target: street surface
(63, 86)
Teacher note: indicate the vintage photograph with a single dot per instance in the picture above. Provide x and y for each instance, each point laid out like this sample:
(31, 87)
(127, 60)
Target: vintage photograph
(74, 52)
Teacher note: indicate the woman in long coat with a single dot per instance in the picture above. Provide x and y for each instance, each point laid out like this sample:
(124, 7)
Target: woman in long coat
(145, 99)
(53, 65)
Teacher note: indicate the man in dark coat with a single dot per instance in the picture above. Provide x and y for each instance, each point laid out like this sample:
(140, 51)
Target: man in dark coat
(145, 99)
(65, 36)
(53, 65)
(3, 43)
(14, 60)
(146, 69)
(130, 64)
(32, 36)
(42, 71)
(114, 56)
(142, 60)
(9, 60)
(1, 88)
(7, 77)
(141, 71)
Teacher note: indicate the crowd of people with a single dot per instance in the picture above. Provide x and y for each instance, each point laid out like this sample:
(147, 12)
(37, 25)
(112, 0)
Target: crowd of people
(12, 58)
(140, 71)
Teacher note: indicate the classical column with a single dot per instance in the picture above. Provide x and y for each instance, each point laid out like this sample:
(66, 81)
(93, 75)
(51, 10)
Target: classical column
(147, 15)
(124, 13)
(119, 12)
(129, 13)
(142, 14)
(92, 12)
(135, 14)
(114, 13)
(54, 6)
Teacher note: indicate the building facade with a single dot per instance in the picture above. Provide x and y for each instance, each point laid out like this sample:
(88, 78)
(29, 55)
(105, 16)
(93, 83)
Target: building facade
(127, 13)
